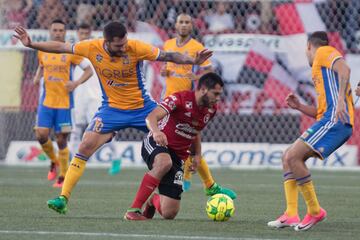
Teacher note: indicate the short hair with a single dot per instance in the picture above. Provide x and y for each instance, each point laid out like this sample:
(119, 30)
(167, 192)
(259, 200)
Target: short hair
(58, 21)
(114, 29)
(84, 26)
(210, 80)
(318, 39)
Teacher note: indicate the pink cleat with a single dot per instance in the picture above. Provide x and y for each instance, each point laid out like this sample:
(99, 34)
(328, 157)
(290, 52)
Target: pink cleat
(310, 221)
(59, 183)
(52, 172)
(134, 214)
(285, 221)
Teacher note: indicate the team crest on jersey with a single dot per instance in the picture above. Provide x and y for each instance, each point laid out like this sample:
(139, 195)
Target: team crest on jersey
(53, 58)
(63, 58)
(126, 59)
(206, 118)
(99, 58)
(188, 105)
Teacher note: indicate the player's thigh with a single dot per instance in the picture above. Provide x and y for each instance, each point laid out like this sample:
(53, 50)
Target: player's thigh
(299, 150)
(169, 206)
(63, 121)
(91, 141)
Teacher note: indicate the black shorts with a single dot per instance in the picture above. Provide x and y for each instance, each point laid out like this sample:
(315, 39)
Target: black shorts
(171, 184)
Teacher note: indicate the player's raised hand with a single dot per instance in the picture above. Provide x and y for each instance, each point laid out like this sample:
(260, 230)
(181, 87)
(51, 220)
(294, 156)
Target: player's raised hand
(340, 112)
(23, 36)
(160, 138)
(202, 56)
(292, 101)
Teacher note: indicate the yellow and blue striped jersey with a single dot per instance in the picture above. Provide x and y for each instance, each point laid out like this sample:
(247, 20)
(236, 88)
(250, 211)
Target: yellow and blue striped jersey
(58, 70)
(121, 78)
(326, 82)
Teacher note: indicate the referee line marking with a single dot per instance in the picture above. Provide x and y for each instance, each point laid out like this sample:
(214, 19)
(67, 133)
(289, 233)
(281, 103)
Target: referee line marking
(141, 236)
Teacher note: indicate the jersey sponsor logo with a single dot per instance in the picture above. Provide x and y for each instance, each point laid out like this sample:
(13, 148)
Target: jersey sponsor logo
(54, 79)
(56, 68)
(186, 128)
(112, 83)
(188, 105)
(99, 58)
(115, 74)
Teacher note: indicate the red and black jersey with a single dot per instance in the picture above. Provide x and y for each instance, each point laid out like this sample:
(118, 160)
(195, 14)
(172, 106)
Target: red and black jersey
(184, 121)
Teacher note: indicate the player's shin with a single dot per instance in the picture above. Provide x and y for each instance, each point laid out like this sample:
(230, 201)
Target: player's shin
(205, 174)
(64, 156)
(291, 194)
(307, 189)
(147, 186)
(73, 174)
(48, 148)
(187, 174)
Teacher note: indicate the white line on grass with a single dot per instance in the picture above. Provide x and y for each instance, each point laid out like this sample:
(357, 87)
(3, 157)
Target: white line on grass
(141, 236)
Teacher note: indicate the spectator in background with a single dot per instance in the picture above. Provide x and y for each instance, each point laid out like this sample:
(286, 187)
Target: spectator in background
(165, 14)
(85, 13)
(15, 13)
(109, 11)
(219, 20)
(48, 11)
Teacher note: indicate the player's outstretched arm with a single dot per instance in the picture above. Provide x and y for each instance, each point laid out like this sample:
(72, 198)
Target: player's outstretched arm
(179, 58)
(293, 102)
(343, 71)
(38, 75)
(152, 123)
(50, 46)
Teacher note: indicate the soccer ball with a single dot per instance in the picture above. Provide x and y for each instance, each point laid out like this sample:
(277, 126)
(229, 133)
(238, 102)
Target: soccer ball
(220, 207)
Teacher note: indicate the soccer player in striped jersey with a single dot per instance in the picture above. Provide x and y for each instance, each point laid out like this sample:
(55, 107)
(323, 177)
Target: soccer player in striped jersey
(334, 126)
(56, 100)
(181, 78)
(118, 62)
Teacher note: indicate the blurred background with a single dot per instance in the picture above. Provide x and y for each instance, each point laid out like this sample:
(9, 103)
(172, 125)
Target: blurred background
(259, 49)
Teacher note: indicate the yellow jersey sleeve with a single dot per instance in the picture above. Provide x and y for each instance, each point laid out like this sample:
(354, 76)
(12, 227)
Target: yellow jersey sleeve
(146, 51)
(82, 48)
(327, 56)
(75, 59)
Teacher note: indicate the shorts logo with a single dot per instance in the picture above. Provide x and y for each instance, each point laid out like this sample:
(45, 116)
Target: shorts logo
(305, 135)
(178, 178)
(321, 149)
(98, 125)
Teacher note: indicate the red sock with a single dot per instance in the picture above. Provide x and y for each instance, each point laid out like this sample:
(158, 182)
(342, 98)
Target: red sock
(147, 186)
(156, 202)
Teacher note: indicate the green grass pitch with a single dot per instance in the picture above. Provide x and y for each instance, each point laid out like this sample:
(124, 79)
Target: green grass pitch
(99, 201)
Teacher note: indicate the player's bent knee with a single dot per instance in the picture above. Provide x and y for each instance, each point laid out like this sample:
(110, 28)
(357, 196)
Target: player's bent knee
(169, 214)
(42, 139)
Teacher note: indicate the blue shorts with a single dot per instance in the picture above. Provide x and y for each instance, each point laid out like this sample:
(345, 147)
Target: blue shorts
(108, 119)
(57, 118)
(325, 136)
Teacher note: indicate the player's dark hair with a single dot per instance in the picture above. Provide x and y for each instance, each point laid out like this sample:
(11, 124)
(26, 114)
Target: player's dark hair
(58, 21)
(210, 80)
(318, 39)
(83, 26)
(114, 29)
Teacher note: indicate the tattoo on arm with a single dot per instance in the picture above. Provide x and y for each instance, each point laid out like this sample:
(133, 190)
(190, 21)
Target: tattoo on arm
(174, 57)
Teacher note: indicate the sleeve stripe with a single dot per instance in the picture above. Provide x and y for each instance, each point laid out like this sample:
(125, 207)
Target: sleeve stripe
(158, 53)
(160, 105)
(334, 60)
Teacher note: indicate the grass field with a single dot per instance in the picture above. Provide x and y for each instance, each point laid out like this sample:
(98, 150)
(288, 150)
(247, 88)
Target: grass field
(99, 202)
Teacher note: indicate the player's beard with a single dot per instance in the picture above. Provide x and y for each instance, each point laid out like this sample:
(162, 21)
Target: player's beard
(205, 102)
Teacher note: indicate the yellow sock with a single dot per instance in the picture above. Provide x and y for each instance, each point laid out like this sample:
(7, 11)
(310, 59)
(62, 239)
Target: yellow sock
(205, 174)
(187, 173)
(312, 203)
(291, 196)
(73, 174)
(64, 155)
(48, 148)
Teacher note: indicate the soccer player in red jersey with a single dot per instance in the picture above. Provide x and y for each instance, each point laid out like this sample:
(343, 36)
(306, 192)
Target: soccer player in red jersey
(174, 125)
